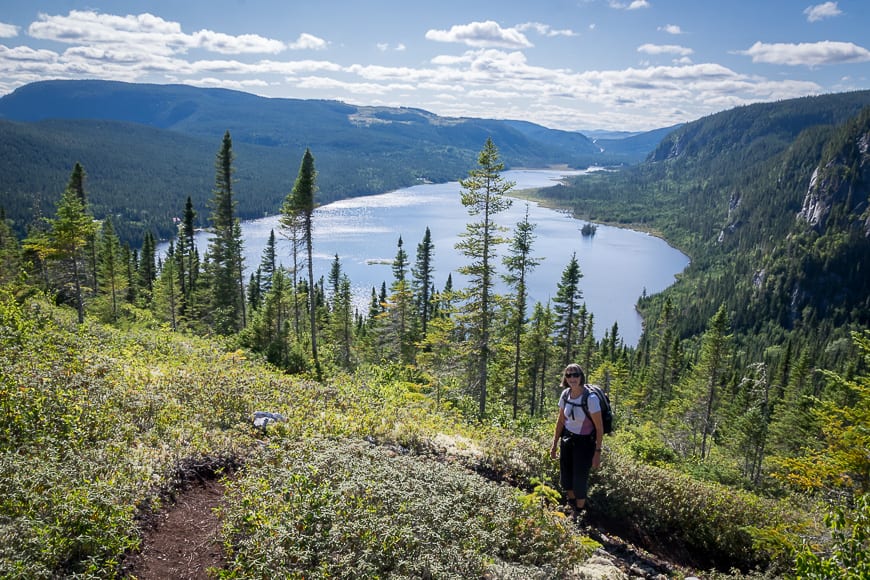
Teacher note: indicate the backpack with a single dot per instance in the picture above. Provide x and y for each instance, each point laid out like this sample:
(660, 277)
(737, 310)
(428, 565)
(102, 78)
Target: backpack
(606, 408)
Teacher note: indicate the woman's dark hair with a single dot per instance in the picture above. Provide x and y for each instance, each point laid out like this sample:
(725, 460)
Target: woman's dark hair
(575, 368)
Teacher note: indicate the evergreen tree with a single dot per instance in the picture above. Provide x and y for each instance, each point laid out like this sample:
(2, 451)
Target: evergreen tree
(10, 252)
(400, 304)
(131, 262)
(422, 274)
(188, 256)
(483, 194)
(166, 298)
(70, 232)
(268, 263)
(519, 264)
(255, 293)
(750, 419)
(147, 267)
(112, 267)
(697, 407)
(76, 184)
(538, 352)
(661, 372)
(334, 282)
(566, 306)
(225, 248)
(343, 320)
(297, 215)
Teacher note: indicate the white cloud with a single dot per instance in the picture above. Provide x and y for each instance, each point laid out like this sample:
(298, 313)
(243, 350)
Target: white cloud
(671, 29)
(308, 42)
(385, 46)
(822, 11)
(664, 49)
(147, 32)
(487, 34)
(808, 54)
(544, 29)
(633, 5)
(243, 85)
(8, 30)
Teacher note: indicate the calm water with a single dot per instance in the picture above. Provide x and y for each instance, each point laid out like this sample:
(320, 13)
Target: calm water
(618, 265)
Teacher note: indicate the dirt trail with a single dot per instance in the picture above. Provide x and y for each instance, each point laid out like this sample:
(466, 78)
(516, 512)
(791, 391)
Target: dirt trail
(183, 543)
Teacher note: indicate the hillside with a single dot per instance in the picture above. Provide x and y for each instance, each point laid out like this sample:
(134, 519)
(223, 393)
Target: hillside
(166, 136)
(104, 427)
(771, 202)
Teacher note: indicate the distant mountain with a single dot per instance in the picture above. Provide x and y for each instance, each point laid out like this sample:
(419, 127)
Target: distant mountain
(145, 147)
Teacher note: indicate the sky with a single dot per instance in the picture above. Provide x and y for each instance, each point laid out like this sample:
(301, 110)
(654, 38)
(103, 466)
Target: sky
(575, 65)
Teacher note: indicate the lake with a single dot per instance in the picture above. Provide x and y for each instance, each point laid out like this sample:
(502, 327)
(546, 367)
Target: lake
(618, 265)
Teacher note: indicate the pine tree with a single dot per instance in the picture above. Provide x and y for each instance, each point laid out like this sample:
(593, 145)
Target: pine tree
(697, 406)
(566, 306)
(76, 184)
(538, 352)
(520, 264)
(147, 267)
(422, 274)
(112, 268)
(661, 377)
(167, 296)
(483, 194)
(70, 232)
(225, 249)
(400, 304)
(268, 264)
(188, 256)
(297, 215)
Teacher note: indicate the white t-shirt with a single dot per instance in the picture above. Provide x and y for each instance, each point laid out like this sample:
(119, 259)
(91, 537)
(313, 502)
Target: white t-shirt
(576, 420)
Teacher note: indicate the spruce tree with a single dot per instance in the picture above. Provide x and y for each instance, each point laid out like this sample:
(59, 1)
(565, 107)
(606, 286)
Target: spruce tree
(70, 233)
(297, 214)
(112, 268)
(567, 306)
(483, 194)
(268, 263)
(147, 267)
(422, 274)
(225, 249)
(520, 264)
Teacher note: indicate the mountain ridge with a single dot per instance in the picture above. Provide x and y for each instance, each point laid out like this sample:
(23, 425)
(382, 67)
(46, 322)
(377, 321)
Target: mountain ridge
(359, 150)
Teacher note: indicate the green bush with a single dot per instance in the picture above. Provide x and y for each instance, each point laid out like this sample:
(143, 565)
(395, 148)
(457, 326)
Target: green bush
(324, 508)
(701, 521)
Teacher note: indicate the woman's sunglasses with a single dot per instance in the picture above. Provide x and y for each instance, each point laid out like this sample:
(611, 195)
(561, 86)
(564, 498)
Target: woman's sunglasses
(572, 375)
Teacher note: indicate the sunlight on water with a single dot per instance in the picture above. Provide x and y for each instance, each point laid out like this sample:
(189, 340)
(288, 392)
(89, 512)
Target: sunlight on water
(618, 265)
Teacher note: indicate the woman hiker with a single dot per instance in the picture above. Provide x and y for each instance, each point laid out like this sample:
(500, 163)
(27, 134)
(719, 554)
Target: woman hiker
(577, 439)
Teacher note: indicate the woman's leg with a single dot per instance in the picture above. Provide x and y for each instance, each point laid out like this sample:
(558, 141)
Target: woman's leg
(583, 454)
(566, 469)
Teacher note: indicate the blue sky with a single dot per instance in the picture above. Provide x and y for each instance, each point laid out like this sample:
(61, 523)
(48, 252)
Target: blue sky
(568, 64)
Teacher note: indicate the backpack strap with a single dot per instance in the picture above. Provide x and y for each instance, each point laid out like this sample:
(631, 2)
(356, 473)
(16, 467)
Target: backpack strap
(584, 402)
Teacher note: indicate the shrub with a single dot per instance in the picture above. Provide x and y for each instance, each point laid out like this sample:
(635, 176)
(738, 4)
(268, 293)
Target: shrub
(705, 523)
(347, 509)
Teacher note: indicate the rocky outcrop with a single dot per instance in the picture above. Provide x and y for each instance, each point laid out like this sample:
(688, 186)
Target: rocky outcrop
(841, 185)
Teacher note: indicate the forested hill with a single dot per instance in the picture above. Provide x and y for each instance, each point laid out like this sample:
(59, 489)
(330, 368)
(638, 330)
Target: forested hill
(771, 202)
(145, 148)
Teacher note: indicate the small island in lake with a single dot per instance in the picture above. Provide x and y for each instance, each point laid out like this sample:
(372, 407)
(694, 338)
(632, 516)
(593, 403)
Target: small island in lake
(588, 229)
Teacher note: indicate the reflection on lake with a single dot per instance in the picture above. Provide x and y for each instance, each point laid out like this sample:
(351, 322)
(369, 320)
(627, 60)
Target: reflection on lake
(618, 265)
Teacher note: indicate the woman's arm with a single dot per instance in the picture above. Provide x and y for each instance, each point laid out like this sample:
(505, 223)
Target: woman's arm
(599, 434)
(560, 424)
